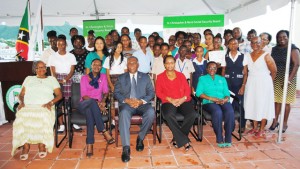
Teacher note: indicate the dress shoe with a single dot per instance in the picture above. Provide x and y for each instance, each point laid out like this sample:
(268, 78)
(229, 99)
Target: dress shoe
(139, 144)
(126, 154)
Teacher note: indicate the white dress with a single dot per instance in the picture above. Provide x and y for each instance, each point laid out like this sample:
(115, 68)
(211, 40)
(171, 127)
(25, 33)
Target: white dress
(259, 91)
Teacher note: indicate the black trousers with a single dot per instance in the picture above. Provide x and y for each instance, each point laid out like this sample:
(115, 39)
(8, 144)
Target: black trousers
(180, 133)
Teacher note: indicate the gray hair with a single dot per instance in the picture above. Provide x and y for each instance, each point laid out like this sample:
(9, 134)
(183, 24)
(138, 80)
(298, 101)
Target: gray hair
(34, 65)
(133, 57)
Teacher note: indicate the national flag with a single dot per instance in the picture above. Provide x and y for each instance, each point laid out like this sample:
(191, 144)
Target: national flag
(22, 43)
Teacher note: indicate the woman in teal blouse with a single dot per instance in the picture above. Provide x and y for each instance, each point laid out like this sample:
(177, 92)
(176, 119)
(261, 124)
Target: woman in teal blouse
(213, 89)
(100, 52)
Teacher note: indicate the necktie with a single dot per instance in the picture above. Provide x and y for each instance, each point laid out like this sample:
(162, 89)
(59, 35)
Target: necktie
(133, 88)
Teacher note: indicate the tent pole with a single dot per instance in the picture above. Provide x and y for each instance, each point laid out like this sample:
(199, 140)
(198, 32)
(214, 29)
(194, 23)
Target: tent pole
(96, 10)
(286, 76)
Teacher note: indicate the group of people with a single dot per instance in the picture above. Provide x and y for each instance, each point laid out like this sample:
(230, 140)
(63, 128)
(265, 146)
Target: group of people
(134, 71)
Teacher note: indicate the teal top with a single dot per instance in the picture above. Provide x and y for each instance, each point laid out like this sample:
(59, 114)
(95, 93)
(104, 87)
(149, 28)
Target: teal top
(212, 87)
(90, 57)
(174, 51)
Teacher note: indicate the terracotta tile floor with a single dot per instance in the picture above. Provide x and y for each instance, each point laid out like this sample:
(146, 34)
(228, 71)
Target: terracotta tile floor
(249, 153)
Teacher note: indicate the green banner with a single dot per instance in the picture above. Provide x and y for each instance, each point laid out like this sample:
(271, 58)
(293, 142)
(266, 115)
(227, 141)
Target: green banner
(100, 27)
(195, 21)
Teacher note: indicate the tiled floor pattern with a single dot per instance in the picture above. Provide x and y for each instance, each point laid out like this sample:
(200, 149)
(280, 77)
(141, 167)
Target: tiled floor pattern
(250, 152)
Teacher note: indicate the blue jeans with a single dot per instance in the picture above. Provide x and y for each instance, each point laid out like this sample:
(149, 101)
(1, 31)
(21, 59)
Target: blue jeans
(218, 114)
(93, 116)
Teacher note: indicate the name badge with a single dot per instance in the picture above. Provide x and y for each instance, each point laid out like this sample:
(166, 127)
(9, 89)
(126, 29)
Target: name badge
(239, 76)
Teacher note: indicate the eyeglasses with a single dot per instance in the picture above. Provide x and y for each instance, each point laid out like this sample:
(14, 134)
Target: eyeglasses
(41, 68)
(255, 43)
(212, 68)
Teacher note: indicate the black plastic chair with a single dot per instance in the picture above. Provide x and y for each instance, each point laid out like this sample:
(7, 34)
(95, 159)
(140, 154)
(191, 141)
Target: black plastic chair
(196, 129)
(75, 117)
(60, 110)
(237, 116)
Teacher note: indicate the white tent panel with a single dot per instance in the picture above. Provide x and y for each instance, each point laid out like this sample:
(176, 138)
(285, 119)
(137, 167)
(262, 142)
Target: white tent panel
(57, 12)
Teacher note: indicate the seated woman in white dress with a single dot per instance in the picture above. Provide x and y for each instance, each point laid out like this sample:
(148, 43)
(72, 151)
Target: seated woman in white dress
(35, 116)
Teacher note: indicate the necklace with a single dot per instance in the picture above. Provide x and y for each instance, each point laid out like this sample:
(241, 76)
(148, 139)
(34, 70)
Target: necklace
(40, 79)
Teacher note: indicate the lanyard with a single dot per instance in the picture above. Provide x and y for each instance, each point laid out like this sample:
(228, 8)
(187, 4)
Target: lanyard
(181, 70)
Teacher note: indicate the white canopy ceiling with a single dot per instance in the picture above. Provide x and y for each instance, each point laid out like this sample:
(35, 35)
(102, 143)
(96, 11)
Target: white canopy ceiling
(57, 12)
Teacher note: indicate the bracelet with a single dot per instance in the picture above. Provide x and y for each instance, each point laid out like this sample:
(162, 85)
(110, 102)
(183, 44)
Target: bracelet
(52, 103)
(64, 80)
(243, 84)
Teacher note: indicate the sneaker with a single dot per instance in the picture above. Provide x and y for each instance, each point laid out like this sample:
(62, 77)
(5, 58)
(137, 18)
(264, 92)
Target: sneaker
(61, 129)
(76, 127)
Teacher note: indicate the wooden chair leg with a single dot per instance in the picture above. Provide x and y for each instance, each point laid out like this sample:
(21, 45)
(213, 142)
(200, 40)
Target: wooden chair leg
(154, 131)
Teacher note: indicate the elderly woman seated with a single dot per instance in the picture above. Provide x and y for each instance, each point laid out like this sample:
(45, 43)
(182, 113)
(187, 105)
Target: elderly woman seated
(213, 89)
(94, 91)
(35, 116)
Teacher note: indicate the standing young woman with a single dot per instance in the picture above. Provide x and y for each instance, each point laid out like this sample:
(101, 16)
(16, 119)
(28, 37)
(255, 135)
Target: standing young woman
(62, 66)
(90, 40)
(99, 53)
(115, 65)
(234, 69)
(80, 53)
(173, 49)
(127, 45)
(200, 64)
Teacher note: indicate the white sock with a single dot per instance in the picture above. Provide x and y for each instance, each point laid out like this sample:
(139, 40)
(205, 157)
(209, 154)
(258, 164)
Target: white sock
(61, 128)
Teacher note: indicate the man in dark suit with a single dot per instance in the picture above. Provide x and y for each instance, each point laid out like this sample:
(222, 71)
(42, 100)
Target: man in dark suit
(134, 91)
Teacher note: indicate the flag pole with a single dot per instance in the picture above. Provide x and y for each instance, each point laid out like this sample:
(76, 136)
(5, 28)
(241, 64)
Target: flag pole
(286, 76)
(30, 52)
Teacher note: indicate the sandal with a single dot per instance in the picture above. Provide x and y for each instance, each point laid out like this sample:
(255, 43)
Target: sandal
(221, 145)
(24, 156)
(260, 134)
(42, 150)
(108, 137)
(227, 145)
(252, 131)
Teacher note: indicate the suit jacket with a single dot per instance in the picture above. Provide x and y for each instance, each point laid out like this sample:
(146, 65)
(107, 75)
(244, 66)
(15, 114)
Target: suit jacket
(145, 88)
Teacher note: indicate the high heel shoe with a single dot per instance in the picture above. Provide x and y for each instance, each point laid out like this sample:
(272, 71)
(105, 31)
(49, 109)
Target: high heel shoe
(108, 137)
(174, 144)
(187, 147)
(284, 129)
(89, 150)
(273, 128)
